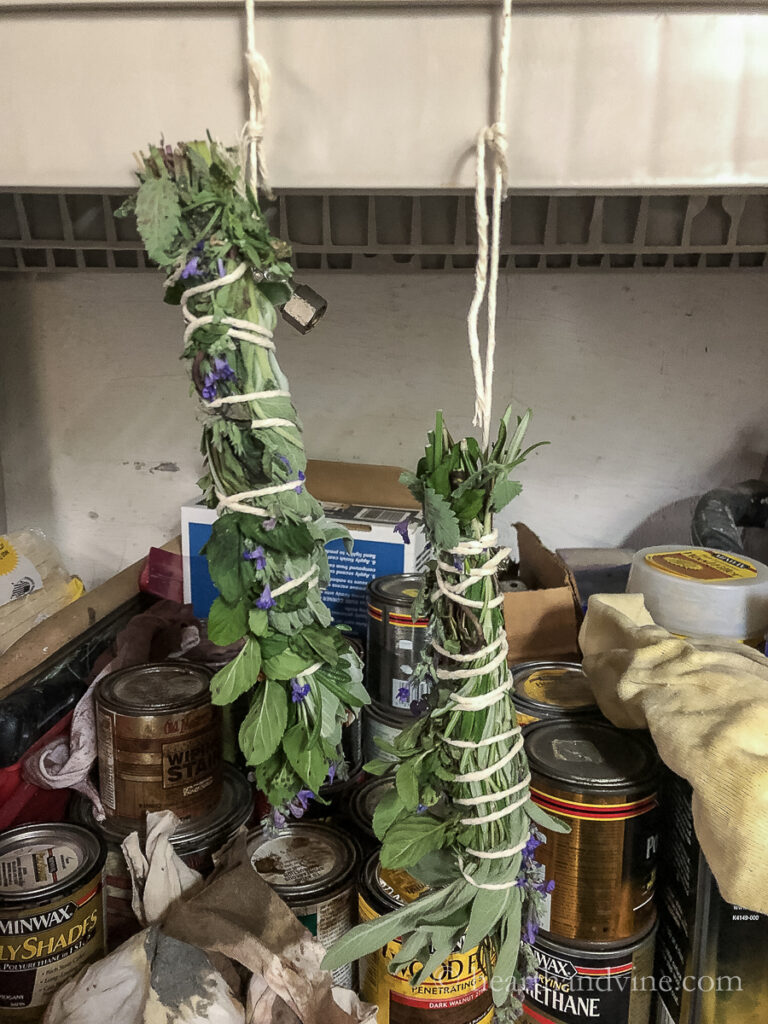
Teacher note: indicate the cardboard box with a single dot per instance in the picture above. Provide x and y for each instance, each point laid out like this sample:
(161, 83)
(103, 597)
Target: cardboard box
(542, 622)
(368, 500)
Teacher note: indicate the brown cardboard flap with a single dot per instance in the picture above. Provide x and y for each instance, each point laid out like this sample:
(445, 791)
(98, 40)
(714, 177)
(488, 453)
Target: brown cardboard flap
(353, 483)
(542, 622)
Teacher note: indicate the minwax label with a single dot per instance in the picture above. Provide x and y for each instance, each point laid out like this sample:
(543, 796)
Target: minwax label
(18, 576)
(701, 565)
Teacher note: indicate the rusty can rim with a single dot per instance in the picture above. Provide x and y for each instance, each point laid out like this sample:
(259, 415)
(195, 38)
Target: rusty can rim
(113, 692)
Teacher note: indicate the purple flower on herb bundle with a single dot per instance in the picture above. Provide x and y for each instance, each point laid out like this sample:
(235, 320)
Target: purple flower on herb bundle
(288, 579)
(531, 983)
(302, 478)
(331, 772)
(221, 268)
(209, 387)
(285, 461)
(269, 524)
(531, 847)
(402, 529)
(192, 269)
(458, 563)
(257, 556)
(419, 707)
(420, 808)
(278, 818)
(530, 932)
(266, 601)
(300, 802)
(299, 691)
(404, 695)
(222, 370)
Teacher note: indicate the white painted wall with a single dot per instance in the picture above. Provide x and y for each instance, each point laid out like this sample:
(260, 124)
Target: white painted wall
(649, 386)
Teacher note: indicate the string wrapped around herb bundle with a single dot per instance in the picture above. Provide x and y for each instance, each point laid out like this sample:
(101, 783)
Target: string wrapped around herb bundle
(266, 554)
(460, 817)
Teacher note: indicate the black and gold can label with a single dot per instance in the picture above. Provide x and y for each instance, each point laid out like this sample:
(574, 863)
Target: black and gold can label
(45, 944)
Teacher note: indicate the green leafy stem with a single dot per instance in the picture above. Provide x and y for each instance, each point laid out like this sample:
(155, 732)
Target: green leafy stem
(459, 816)
(296, 675)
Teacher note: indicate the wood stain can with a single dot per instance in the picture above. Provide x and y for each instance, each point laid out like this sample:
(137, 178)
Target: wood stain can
(395, 641)
(551, 689)
(313, 868)
(458, 992)
(383, 723)
(592, 982)
(603, 783)
(195, 842)
(159, 741)
(51, 913)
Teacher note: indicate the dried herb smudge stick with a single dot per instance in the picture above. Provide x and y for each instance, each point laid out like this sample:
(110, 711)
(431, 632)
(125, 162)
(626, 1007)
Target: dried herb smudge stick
(460, 817)
(267, 550)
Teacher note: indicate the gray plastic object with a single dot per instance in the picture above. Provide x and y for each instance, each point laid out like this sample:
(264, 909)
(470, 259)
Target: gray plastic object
(721, 515)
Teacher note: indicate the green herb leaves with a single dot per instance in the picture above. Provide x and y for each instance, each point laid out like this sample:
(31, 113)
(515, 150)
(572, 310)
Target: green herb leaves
(267, 556)
(158, 215)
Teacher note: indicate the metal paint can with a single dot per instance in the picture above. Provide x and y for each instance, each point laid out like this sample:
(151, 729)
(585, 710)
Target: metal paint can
(599, 982)
(458, 992)
(51, 913)
(364, 802)
(194, 841)
(159, 740)
(312, 868)
(395, 642)
(603, 782)
(551, 689)
(384, 723)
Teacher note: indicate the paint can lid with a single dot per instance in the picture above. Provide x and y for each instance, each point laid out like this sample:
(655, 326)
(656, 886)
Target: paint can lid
(553, 686)
(399, 590)
(389, 888)
(153, 689)
(303, 859)
(592, 756)
(40, 862)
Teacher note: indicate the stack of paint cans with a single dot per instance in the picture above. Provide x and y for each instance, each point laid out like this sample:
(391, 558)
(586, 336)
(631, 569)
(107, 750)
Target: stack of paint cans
(594, 954)
(160, 748)
(395, 646)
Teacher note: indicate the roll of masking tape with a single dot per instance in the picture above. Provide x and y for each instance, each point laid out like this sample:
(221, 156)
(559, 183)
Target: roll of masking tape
(701, 592)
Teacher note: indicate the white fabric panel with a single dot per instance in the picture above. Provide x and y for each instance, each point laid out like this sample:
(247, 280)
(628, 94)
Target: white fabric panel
(393, 98)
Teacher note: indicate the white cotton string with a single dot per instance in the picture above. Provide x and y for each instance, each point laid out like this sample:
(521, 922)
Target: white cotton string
(494, 886)
(500, 639)
(309, 671)
(252, 396)
(453, 593)
(308, 577)
(475, 547)
(473, 744)
(493, 798)
(252, 159)
(484, 819)
(485, 773)
(494, 138)
(479, 670)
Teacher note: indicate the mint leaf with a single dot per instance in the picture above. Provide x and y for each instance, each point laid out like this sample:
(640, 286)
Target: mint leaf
(504, 492)
(158, 215)
(238, 676)
(264, 725)
(258, 621)
(224, 552)
(227, 623)
(285, 665)
(406, 842)
(388, 810)
(308, 762)
(407, 781)
(440, 519)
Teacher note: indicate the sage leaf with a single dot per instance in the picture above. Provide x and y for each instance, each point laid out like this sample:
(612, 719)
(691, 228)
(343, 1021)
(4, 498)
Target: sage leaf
(546, 820)
(408, 841)
(388, 809)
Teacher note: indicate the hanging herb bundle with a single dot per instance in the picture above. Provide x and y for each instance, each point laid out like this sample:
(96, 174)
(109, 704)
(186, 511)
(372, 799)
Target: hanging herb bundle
(266, 554)
(460, 817)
